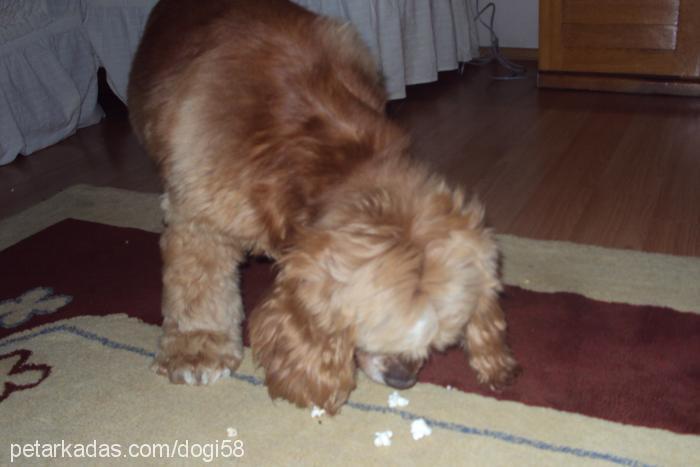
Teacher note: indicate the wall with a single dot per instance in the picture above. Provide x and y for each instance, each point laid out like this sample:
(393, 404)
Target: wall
(516, 23)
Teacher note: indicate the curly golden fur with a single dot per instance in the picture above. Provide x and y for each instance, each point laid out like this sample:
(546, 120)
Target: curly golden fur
(268, 125)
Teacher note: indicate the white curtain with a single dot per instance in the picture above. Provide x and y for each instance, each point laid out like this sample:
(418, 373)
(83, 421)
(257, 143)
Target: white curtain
(412, 40)
(50, 51)
(48, 75)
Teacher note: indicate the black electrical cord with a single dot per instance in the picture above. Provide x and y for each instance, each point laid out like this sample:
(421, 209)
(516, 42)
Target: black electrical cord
(516, 71)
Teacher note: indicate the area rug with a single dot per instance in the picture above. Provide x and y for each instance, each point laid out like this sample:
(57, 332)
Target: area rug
(609, 342)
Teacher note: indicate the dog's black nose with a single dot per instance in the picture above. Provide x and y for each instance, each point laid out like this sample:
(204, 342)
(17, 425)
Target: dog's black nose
(399, 383)
(400, 375)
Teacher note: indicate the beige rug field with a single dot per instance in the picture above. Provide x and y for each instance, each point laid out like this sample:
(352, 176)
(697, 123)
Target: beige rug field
(102, 406)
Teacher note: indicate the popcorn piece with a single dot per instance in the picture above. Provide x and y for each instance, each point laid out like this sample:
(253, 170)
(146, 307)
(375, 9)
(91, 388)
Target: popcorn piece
(383, 438)
(395, 400)
(449, 388)
(317, 412)
(420, 429)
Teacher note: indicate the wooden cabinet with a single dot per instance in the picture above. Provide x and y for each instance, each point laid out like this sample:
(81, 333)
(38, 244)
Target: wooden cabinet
(650, 46)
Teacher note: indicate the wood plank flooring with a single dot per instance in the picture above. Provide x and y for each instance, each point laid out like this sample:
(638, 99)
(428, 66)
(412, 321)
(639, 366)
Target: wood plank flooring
(607, 169)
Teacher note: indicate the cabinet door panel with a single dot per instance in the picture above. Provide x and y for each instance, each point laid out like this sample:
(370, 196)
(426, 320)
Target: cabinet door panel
(621, 12)
(628, 36)
(645, 37)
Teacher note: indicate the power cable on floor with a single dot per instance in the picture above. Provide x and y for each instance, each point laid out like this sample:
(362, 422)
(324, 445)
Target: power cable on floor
(516, 71)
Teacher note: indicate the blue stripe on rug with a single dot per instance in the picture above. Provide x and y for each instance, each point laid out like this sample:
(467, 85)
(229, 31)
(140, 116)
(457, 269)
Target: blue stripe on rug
(455, 427)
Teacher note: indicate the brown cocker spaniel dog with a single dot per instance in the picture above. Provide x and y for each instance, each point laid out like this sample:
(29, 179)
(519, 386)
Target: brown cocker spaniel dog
(267, 123)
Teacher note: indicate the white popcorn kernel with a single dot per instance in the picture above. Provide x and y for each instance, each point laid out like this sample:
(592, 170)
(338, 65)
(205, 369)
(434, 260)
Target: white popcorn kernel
(420, 429)
(383, 438)
(395, 400)
(317, 412)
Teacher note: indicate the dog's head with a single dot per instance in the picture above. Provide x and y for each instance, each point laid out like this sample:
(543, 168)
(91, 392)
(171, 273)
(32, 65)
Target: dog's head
(378, 282)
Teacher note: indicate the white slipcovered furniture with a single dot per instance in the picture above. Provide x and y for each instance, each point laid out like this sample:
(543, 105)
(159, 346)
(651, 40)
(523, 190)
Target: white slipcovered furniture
(50, 51)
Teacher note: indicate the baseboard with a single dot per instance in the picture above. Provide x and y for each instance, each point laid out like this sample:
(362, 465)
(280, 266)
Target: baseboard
(514, 53)
(612, 83)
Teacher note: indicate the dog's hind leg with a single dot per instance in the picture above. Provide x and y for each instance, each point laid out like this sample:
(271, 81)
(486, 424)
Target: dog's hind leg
(202, 307)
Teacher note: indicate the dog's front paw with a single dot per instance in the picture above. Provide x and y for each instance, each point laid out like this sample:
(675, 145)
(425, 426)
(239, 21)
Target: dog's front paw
(496, 371)
(197, 358)
(192, 374)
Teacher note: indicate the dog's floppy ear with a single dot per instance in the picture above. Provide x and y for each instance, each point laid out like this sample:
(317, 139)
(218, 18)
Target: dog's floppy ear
(303, 362)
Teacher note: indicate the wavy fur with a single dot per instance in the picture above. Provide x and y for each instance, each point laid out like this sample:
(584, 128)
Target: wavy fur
(268, 126)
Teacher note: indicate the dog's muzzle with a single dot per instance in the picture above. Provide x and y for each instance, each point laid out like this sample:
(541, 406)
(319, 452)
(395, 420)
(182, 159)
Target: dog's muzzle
(391, 370)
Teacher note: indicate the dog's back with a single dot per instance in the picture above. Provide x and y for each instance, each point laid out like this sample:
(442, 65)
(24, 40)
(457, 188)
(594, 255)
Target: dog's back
(248, 59)
(260, 96)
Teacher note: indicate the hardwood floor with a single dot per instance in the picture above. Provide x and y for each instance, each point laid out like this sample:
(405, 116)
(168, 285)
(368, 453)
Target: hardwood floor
(614, 170)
